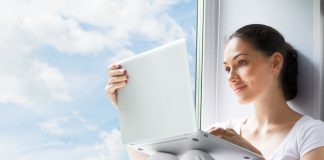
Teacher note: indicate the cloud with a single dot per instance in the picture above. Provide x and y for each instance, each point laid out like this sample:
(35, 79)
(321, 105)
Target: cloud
(32, 84)
(71, 27)
(80, 27)
(162, 28)
(8, 145)
(63, 34)
(65, 137)
(71, 125)
(52, 79)
(110, 147)
(121, 55)
(53, 126)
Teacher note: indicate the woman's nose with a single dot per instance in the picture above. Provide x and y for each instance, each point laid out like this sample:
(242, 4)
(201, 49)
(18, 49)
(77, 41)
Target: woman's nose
(232, 76)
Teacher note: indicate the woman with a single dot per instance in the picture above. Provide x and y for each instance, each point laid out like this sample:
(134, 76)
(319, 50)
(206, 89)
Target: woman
(262, 70)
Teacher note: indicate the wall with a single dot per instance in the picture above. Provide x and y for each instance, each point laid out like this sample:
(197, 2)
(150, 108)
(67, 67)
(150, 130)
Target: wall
(297, 20)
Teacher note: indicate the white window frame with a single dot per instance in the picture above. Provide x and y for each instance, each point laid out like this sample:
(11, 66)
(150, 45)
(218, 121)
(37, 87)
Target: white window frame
(207, 45)
(318, 23)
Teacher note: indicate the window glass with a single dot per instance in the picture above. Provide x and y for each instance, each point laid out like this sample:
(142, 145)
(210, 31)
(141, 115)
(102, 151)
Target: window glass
(53, 69)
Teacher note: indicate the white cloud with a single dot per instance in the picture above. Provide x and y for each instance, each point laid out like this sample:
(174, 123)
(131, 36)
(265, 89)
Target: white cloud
(8, 145)
(31, 84)
(110, 147)
(121, 55)
(52, 79)
(11, 89)
(162, 28)
(60, 23)
(79, 27)
(71, 125)
(53, 126)
(72, 27)
(64, 34)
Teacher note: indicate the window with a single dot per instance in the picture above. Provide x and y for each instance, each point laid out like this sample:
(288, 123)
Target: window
(53, 61)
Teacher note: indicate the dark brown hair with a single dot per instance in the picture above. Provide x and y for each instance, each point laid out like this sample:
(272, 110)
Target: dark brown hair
(268, 41)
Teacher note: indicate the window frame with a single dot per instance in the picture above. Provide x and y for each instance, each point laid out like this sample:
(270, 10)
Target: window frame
(207, 46)
(318, 39)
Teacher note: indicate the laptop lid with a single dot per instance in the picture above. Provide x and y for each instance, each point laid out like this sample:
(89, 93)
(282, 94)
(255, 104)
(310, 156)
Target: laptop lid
(158, 101)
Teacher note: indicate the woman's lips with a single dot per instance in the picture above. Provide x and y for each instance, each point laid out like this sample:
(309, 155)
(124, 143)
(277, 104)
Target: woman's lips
(239, 88)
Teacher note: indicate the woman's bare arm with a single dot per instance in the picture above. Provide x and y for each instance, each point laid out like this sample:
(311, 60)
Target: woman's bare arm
(315, 154)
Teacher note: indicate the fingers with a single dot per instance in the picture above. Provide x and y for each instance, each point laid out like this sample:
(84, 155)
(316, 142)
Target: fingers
(232, 131)
(117, 79)
(111, 88)
(117, 72)
(114, 66)
(113, 80)
(230, 135)
(216, 131)
(223, 133)
(219, 132)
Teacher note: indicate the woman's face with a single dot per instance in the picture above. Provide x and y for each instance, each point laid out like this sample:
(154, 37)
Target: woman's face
(249, 72)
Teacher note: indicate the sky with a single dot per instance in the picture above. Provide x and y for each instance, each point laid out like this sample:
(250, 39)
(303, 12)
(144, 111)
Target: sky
(53, 69)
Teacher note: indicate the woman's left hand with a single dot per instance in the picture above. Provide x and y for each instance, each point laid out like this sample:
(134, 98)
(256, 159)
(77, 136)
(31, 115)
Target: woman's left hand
(230, 135)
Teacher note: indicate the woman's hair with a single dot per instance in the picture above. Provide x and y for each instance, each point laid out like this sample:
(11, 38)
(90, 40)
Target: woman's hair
(268, 40)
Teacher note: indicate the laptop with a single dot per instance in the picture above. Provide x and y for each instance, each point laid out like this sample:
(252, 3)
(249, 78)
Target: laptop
(156, 107)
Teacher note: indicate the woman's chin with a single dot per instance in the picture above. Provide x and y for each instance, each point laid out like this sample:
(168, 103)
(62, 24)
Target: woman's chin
(244, 100)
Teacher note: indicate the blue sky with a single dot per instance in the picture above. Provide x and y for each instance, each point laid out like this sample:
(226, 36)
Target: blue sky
(53, 60)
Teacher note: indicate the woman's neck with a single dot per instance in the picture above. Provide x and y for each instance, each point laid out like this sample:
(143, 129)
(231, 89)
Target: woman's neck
(273, 110)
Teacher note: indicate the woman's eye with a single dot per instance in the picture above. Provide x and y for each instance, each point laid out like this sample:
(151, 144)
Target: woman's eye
(242, 62)
(227, 69)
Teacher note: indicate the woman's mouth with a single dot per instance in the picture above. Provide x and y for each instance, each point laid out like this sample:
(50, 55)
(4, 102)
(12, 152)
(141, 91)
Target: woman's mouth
(239, 88)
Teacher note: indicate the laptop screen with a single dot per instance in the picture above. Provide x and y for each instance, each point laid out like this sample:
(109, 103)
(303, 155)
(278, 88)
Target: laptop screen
(157, 101)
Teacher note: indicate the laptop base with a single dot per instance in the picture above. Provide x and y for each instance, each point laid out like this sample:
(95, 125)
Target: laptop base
(215, 146)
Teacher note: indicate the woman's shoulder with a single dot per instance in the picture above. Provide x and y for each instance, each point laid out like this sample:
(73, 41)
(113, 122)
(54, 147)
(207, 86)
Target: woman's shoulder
(310, 127)
(310, 134)
(308, 124)
(306, 135)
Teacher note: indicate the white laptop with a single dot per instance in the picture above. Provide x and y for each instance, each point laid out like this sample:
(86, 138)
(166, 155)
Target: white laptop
(156, 107)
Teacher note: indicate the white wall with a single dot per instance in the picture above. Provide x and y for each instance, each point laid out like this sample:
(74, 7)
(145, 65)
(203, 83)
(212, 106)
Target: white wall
(297, 20)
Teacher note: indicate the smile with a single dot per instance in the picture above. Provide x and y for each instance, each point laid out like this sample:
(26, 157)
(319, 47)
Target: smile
(238, 89)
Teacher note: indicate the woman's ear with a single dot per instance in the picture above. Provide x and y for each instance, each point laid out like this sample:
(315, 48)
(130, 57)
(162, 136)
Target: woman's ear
(277, 61)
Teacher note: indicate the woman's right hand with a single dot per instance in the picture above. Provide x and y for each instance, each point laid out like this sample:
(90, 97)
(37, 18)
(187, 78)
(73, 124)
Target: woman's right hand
(230, 135)
(117, 79)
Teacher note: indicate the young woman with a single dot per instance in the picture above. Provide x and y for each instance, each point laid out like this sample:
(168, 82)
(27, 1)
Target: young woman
(262, 70)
